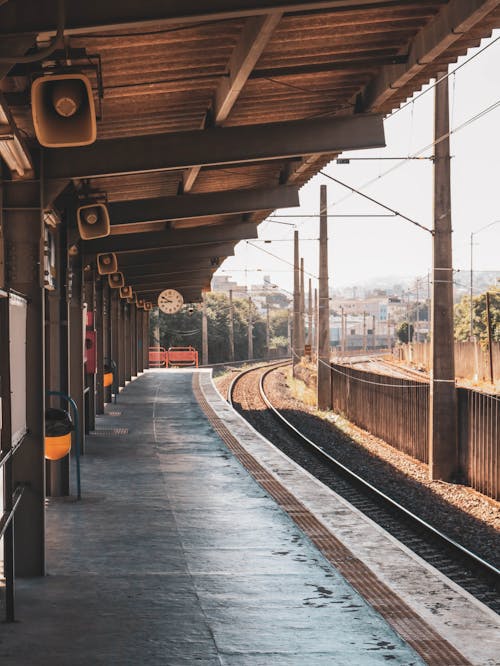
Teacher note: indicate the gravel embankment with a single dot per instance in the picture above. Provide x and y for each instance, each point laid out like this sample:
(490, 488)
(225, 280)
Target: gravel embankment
(472, 518)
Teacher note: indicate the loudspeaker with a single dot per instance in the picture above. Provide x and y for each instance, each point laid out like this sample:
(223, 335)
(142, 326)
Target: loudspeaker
(140, 303)
(116, 280)
(148, 305)
(126, 292)
(62, 106)
(107, 263)
(93, 221)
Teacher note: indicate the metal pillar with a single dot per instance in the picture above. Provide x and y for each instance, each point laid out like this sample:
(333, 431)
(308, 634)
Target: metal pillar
(324, 397)
(310, 317)
(140, 339)
(106, 332)
(90, 378)
(204, 334)
(145, 349)
(56, 359)
(76, 343)
(443, 447)
(126, 341)
(23, 230)
(133, 340)
(121, 342)
(100, 333)
(115, 332)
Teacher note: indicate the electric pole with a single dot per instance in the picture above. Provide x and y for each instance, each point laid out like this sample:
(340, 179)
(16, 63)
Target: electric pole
(443, 449)
(250, 329)
(324, 389)
(231, 326)
(296, 299)
(204, 334)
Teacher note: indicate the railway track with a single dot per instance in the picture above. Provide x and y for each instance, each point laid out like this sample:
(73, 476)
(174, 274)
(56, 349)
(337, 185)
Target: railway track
(473, 573)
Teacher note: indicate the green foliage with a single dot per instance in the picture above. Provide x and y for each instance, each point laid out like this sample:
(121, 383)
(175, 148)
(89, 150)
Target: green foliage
(462, 316)
(405, 332)
(184, 328)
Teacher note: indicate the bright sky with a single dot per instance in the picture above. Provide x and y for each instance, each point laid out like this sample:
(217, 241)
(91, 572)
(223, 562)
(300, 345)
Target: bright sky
(363, 250)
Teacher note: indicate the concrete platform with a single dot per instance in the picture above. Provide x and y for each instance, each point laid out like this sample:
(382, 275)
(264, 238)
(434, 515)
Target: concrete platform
(176, 555)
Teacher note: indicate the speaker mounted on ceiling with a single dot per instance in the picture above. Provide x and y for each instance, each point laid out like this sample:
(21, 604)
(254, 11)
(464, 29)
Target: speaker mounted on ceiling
(116, 280)
(140, 303)
(93, 220)
(148, 305)
(63, 110)
(126, 292)
(107, 263)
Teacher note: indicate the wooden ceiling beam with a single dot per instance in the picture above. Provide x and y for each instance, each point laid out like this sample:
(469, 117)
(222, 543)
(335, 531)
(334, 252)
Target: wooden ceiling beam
(254, 37)
(171, 239)
(38, 16)
(454, 20)
(214, 146)
(202, 205)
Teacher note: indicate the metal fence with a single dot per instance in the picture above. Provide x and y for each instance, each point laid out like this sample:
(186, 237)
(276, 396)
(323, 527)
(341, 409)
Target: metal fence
(479, 441)
(397, 411)
(394, 409)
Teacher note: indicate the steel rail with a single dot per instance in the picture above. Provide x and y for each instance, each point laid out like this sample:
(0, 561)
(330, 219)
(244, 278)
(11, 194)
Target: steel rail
(367, 487)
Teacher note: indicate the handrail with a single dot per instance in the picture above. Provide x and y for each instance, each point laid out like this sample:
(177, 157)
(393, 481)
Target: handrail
(6, 455)
(7, 516)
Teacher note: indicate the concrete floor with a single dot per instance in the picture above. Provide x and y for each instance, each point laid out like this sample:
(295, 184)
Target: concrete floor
(177, 556)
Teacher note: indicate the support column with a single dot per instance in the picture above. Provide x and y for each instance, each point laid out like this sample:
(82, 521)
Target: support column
(100, 333)
(121, 342)
(90, 377)
(145, 349)
(140, 339)
(56, 359)
(324, 371)
(310, 317)
(23, 230)
(76, 342)
(106, 332)
(126, 342)
(443, 448)
(133, 340)
(204, 334)
(250, 329)
(114, 337)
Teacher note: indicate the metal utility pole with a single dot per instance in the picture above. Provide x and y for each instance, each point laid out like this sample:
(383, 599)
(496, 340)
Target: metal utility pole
(302, 309)
(296, 300)
(315, 319)
(443, 449)
(231, 326)
(310, 317)
(289, 332)
(324, 389)
(250, 329)
(204, 334)
(490, 336)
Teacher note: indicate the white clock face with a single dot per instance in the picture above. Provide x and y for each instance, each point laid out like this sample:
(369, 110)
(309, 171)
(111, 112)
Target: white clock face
(170, 301)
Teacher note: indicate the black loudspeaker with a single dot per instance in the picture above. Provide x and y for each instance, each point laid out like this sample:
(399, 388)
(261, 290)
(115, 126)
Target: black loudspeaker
(126, 292)
(93, 221)
(63, 110)
(116, 280)
(148, 305)
(140, 303)
(107, 263)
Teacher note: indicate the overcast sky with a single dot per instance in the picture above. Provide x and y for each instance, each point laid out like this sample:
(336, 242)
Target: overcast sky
(361, 250)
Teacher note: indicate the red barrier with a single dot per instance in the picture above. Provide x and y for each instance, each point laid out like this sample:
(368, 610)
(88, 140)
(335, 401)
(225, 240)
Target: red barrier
(157, 357)
(182, 357)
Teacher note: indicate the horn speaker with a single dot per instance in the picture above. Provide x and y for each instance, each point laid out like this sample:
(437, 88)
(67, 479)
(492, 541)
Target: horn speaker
(93, 221)
(126, 292)
(148, 305)
(62, 106)
(107, 263)
(140, 303)
(116, 280)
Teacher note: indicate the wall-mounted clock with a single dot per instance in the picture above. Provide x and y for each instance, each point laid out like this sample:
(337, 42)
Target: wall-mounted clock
(170, 301)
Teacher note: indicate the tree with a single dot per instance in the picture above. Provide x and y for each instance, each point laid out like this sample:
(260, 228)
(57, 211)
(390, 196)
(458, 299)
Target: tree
(479, 324)
(405, 332)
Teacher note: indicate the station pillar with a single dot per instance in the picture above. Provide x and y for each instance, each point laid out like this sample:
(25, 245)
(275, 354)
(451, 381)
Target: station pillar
(23, 232)
(76, 342)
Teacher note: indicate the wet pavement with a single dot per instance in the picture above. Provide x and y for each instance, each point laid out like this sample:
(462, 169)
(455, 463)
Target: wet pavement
(177, 556)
